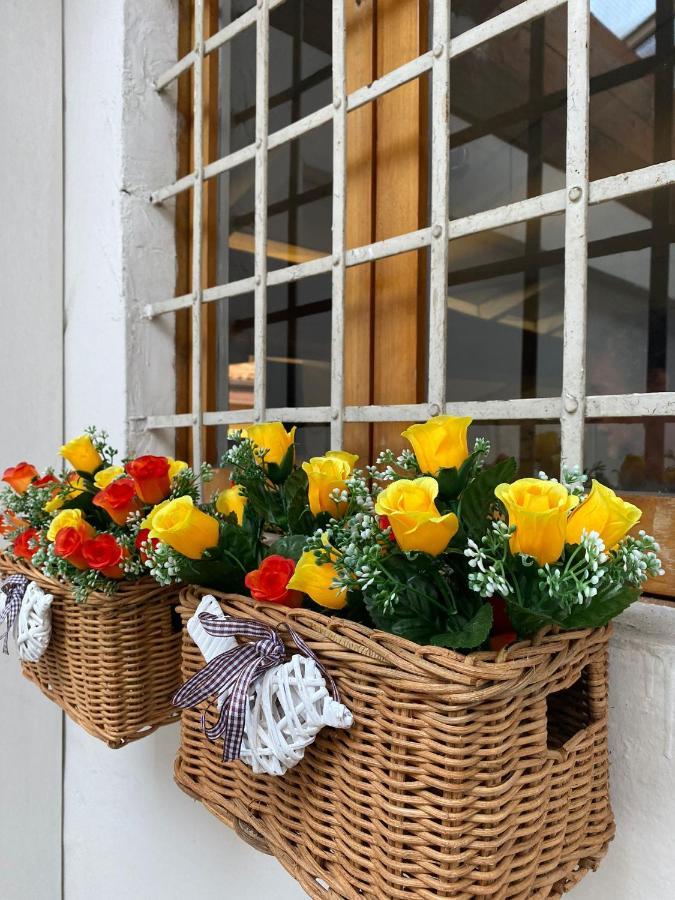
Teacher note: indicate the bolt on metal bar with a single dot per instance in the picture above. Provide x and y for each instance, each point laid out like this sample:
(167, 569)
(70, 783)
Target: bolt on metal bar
(337, 356)
(573, 407)
(440, 206)
(197, 224)
(260, 213)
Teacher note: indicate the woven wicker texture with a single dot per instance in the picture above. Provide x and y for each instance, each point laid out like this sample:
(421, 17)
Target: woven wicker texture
(113, 663)
(462, 777)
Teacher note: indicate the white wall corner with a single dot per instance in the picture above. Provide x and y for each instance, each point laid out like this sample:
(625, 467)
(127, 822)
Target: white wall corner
(149, 130)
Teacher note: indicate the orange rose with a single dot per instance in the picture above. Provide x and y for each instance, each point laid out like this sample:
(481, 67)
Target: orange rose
(269, 583)
(104, 555)
(151, 476)
(68, 545)
(118, 499)
(23, 546)
(18, 477)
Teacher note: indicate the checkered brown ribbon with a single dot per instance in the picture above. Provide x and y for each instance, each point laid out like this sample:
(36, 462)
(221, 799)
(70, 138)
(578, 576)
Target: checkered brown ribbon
(14, 588)
(238, 669)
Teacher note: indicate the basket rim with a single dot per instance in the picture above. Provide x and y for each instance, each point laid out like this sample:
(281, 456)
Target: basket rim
(440, 663)
(127, 591)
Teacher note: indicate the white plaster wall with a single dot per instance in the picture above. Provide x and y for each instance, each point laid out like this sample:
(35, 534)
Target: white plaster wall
(31, 368)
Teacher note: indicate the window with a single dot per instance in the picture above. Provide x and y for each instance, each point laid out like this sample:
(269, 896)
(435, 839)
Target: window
(394, 211)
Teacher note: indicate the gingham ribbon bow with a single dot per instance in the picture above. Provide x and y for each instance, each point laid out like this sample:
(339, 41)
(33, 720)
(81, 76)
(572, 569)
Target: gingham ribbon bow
(14, 587)
(238, 668)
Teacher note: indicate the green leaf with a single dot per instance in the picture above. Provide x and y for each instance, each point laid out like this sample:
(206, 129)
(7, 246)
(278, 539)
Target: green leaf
(480, 494)
(299, 517)
(602, 608)
(279, 472)
(468, 635)
(291, 546)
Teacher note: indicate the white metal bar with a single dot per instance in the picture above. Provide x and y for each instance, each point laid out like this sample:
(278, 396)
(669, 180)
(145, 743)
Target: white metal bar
(629, 183)
(164, 193)
(402, 243)
(234, 28)
(337, 353)
(173, 420)
(509, 214)
(174, 71)
(260, 214)
(197, 224)
(619, 406)
(396, 78)
(440, 206)
(506, 21)
(573, 407)
(229, 417)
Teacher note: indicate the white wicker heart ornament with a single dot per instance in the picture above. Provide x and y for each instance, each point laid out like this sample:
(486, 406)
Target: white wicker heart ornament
(286, 707)
(32, 624)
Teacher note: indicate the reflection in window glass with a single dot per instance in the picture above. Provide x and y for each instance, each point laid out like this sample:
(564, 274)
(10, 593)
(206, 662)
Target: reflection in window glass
(535, 445)
(632, 455)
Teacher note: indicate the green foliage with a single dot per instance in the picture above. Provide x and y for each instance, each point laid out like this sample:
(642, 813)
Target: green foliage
(479, 497)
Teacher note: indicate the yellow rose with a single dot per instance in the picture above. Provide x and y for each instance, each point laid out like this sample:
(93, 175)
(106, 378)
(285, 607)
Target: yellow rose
(272, 437)
(150, 518)
(81, 454)
(604, 512)
(232, 500)
(440, 443)
(78, 487)
(326, 474)
(414, 517)
(175, 466)
(317, 582)
(539, 511)
(69, 518)
(181, 525)
(350, 458)
(103, 478)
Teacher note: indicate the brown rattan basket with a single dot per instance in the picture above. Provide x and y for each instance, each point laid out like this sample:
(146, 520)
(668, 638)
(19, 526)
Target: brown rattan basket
(462, 776)
(113, 663)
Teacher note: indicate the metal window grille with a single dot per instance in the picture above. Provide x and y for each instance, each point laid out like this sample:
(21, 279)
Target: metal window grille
(573, 407)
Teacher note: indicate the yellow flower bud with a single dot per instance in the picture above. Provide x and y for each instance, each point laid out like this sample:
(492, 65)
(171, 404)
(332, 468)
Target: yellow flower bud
(69, 518)
(175, 466)
(181, 525)
(316, 580)
(440, 443)
(414, 517)
(273, 438)
(81, 454)
(602, 511)
(350, 458)
(326, 474)
(232, 500)
(539, 510)
(103, 478)
(78, 487)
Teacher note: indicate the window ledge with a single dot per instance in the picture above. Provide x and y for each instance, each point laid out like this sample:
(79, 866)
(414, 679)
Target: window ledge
(651, 618)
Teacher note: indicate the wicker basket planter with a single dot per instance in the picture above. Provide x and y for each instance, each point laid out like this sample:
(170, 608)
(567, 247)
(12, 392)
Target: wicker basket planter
(462, 777)
(113, 663)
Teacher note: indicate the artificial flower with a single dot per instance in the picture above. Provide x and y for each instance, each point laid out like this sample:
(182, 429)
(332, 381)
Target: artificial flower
(118, 499)
(232, 500)
(414, 517)
(78, 487)
(273, 439)
(181, 525)
(175, 467)
(539, 510)
(44, 480)
(103, 554)
(316, 580)
(350, 458)
(81, 454)
(440, 443)
(606, 514)
(18, 477)
(326, 474)
(69, 518)
(68, 545)
(151, 475)
(23, 545)
(269, 582)
(142, 540)
(103, 478)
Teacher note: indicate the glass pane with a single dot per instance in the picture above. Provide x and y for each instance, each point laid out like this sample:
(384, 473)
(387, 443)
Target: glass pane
(466, 14)
(632, 455)
(505, 313)
(507, 114)
(535, 445)
(631, 292)
(631, 85)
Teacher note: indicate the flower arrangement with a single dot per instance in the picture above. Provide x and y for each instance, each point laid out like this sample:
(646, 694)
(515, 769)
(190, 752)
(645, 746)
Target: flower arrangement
(84, 525)
(433, 544)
